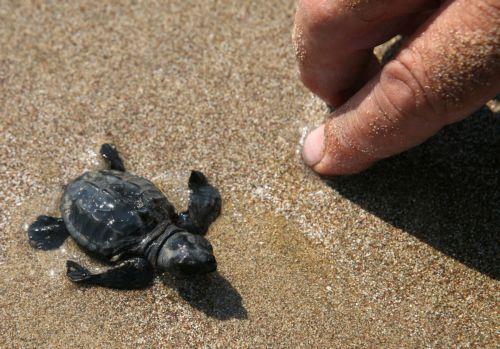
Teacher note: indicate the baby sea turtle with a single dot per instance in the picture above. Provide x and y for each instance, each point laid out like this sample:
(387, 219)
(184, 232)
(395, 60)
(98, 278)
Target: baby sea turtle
(117, 216)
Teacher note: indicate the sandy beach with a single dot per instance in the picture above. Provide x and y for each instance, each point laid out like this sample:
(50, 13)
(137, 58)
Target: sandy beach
(403, 255)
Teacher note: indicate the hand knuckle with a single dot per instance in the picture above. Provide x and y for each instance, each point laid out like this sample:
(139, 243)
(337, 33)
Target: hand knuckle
(405, 86)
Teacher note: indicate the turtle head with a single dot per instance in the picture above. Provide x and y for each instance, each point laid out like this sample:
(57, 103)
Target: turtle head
(186, 254)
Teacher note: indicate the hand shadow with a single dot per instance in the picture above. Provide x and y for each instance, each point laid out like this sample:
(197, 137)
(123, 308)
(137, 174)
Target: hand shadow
(445, 192)
(211, 294)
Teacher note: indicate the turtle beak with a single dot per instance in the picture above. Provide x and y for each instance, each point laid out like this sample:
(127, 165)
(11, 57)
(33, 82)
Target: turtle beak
(204, 264)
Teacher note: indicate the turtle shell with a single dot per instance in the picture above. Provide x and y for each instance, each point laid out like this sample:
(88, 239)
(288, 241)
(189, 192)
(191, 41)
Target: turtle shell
(110, 212)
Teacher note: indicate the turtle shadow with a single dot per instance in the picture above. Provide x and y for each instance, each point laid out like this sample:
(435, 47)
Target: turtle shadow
(212, 294)
(445, 192)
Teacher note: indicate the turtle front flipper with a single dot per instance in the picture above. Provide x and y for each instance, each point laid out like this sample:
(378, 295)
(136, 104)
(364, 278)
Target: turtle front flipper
(47, 233)
(204, 205)
(131, 274)
(112, 157)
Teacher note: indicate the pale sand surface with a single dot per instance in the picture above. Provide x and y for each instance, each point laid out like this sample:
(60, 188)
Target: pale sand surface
(405, 255)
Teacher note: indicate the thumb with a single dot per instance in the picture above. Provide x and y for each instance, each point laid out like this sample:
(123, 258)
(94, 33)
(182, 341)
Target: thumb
(448, 69)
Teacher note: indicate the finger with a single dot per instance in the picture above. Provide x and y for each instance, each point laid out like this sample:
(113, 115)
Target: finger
(449, 68)
(334, 40)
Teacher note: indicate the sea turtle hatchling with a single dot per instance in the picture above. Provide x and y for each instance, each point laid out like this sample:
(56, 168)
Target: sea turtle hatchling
(126, 220)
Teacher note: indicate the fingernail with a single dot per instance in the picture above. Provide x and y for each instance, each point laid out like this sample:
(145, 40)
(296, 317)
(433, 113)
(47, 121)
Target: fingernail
(314, 146)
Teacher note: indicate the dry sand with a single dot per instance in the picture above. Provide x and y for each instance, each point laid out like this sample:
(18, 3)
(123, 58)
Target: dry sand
(405, 255)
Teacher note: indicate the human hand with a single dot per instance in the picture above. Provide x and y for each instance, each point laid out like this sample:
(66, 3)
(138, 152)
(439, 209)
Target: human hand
(448, 67)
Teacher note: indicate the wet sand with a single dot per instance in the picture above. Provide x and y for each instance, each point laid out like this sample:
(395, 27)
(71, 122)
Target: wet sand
(404, 255)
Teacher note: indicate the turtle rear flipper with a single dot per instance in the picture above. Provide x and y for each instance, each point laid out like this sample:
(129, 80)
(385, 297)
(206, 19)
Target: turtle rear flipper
(110, 154)
(77, 273)
(204, 205)
(47, 233)
(131, 274)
